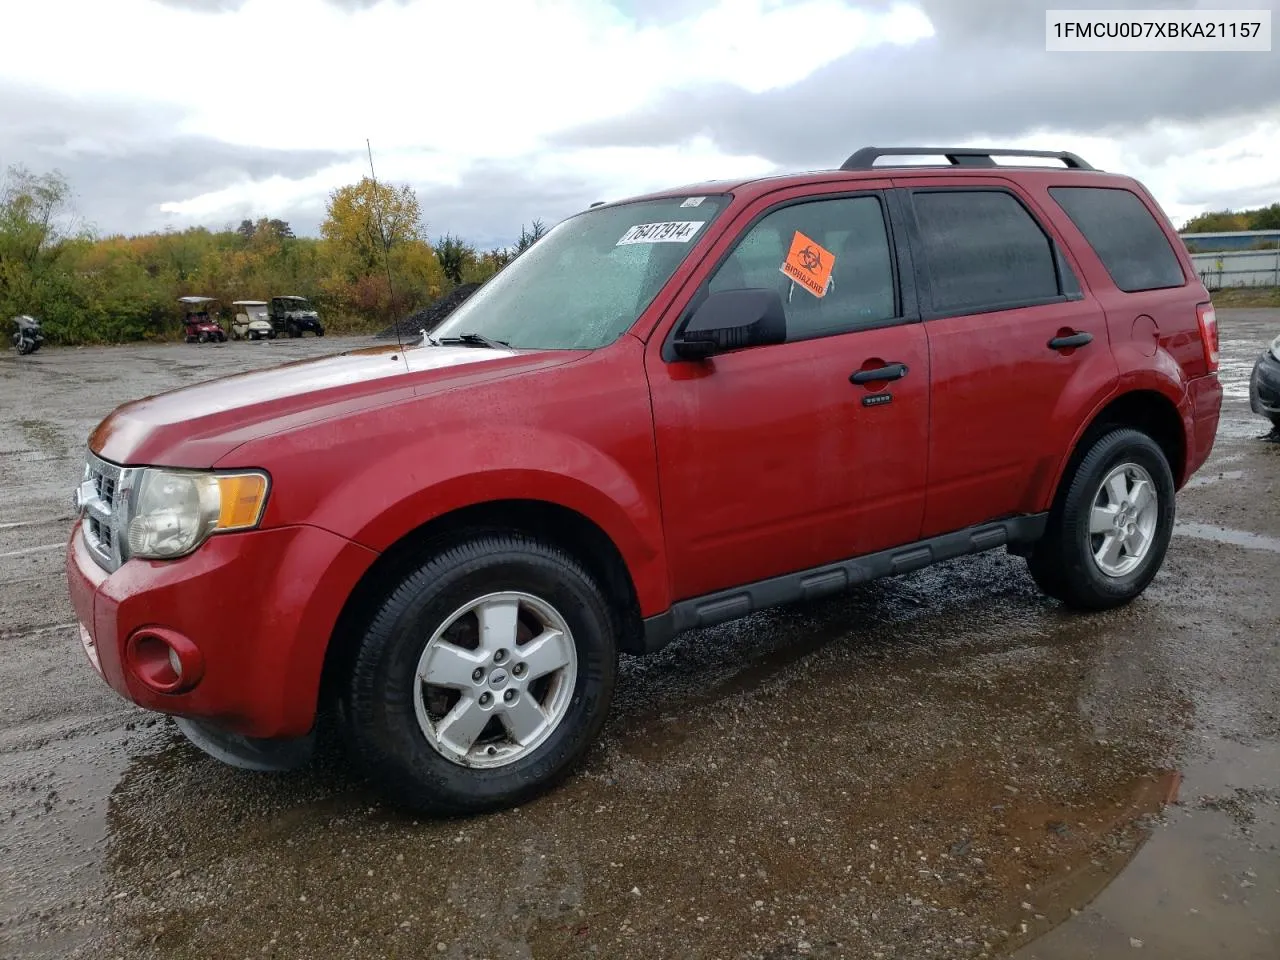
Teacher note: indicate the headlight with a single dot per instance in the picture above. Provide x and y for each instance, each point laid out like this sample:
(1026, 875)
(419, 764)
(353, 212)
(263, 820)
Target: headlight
(174, 511)
(1275, 348)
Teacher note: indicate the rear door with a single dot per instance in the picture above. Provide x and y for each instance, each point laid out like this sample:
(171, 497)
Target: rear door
(1016, 347)
(772, 459)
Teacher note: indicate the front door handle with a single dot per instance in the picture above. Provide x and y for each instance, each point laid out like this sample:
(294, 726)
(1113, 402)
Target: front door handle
(891, 371)
(1072, 340)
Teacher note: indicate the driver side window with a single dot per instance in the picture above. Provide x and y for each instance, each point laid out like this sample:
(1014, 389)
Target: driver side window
(829, 260)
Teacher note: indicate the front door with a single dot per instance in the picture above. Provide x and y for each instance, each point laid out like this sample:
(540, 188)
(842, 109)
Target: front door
(779, 458)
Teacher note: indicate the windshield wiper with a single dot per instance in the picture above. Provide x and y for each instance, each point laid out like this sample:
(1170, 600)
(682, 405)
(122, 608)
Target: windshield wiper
(476, 340)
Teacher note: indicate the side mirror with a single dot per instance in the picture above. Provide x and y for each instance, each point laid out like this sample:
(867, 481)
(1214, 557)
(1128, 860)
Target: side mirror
(731, 319)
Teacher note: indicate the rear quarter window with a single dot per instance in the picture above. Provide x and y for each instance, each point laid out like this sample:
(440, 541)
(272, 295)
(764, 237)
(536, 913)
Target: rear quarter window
(1125, 236)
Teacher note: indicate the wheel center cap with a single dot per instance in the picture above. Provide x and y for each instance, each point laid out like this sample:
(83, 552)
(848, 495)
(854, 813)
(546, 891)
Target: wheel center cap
(498, 677)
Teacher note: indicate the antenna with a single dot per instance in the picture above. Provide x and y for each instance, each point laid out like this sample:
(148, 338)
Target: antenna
(386, 256)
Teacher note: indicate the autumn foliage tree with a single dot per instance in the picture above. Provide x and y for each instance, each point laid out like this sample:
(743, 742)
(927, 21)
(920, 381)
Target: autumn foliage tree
(380, 260)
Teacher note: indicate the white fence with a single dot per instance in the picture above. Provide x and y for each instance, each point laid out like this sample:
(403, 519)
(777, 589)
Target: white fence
(1238, 268)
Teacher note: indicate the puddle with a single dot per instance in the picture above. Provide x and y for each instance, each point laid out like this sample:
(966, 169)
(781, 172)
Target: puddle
(1207, 882)
(1237, 538)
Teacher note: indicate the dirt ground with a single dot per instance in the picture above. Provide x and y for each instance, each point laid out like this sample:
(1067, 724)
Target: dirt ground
(945, 764)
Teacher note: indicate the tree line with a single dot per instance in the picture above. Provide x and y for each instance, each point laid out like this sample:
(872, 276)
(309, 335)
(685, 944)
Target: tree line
(1226, 221)
(372, 264)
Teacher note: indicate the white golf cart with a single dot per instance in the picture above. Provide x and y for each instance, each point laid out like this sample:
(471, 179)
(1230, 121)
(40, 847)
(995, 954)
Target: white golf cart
(252, 322)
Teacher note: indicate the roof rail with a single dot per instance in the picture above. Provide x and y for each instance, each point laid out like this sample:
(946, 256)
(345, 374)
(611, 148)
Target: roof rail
(865, 158)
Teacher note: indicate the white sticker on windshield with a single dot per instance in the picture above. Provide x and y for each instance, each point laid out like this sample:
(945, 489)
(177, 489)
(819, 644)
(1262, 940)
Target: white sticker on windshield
(673, 231)
(693, 202)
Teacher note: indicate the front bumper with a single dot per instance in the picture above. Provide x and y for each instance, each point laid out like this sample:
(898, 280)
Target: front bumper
(260, 606)
(1264, 386)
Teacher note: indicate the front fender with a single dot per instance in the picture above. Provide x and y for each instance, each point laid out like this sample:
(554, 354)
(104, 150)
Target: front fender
(411, 488)
(577, 435)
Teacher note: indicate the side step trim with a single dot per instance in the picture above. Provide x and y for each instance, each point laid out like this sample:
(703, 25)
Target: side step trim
(832, 578)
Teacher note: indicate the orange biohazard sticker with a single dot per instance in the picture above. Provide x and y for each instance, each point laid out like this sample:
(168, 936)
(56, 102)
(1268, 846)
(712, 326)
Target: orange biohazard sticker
(809, 265)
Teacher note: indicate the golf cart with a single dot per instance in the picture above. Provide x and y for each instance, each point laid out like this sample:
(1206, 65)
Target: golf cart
(251, 321)
(200, 320)
(294, 316)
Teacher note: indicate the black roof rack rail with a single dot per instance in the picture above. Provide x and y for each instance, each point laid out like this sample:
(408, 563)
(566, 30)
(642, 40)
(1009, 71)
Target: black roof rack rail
(866, 158)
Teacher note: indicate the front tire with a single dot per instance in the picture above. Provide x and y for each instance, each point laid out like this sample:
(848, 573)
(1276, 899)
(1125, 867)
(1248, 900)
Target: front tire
(483, 678)
(1110, 526)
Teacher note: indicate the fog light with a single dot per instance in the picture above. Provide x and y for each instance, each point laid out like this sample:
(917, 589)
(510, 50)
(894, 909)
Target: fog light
(163, 660)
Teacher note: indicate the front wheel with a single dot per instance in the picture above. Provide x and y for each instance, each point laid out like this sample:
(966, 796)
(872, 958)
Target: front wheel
(24, 346)
(483, 678)
(1109, 529)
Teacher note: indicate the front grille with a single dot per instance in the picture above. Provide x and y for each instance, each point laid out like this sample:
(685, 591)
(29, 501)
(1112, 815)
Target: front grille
(106, 488)
(103, 497)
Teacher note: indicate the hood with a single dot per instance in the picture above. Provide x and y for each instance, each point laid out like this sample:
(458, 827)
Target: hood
(195, 426)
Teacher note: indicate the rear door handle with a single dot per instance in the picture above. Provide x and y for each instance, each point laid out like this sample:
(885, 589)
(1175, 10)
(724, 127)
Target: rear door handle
(892, 371)
(1074, 340)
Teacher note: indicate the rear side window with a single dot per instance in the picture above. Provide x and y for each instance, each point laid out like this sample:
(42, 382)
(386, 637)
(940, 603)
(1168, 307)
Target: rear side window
(984, 251)
(1124, 234)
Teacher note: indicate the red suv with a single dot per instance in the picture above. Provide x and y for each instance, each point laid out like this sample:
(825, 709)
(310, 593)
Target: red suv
(669, 412)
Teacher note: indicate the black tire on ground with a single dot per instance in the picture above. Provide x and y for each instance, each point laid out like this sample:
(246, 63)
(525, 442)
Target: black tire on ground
(377, 700)
(294, 331)
(24, 347)
(1063, 564)
(1275, 421)
(202, 338)
(319, 331)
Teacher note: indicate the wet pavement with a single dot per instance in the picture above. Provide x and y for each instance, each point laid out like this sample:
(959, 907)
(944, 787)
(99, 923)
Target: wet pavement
(945, 764)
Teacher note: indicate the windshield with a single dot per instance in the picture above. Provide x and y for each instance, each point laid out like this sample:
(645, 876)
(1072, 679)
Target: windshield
(302, 306)
(582, 285)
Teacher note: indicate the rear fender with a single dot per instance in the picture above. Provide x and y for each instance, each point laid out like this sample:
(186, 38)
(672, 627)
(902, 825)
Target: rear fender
(1156, 378)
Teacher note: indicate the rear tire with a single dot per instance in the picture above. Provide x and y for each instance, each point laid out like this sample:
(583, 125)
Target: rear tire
(408, 733)
(1110, 525)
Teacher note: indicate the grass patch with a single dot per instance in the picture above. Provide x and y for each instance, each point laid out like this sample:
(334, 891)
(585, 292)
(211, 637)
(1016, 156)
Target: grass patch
(1246, 297)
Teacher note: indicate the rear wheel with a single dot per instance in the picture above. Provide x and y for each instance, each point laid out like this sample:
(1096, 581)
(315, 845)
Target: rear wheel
(483, 677)
(1109, 529)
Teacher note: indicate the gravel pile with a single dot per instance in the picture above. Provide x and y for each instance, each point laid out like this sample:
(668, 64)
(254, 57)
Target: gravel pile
(430, 316)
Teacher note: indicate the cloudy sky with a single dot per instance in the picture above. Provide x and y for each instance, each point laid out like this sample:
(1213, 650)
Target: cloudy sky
(178, 112)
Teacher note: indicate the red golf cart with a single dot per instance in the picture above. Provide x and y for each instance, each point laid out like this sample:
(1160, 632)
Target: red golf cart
(200, 320)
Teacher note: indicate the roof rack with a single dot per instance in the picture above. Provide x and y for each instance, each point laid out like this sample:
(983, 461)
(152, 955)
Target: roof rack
(865, 158)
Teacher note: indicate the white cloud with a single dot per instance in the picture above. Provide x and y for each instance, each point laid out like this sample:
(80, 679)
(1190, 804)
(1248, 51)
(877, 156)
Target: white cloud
(435, 86)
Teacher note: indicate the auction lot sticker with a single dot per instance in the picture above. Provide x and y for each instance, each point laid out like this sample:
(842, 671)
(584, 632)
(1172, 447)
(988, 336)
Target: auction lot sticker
(672, 231)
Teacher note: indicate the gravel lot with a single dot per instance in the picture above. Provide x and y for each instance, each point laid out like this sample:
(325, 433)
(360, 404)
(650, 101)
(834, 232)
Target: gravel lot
(941, 765)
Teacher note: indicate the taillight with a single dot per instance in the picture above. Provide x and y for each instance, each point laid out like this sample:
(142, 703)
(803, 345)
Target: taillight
(1208, 334)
